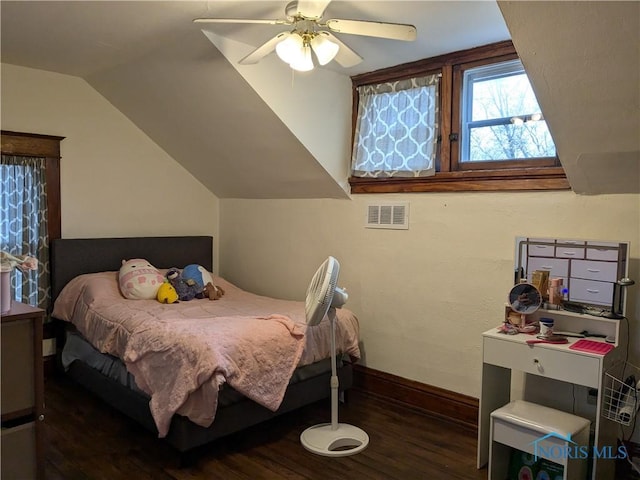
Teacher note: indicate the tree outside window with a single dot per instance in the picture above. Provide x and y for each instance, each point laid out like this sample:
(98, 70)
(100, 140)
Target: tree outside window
(501, 117)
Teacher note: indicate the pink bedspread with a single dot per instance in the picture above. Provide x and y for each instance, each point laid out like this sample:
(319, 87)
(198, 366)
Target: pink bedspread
(181, 354)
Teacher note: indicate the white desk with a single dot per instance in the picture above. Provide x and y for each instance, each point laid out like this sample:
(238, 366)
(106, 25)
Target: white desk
(504, 353)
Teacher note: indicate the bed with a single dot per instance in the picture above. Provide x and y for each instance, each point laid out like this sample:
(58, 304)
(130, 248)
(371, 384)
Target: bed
(84, 289)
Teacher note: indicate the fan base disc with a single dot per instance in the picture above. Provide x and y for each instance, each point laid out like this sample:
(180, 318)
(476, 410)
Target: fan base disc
(339, 442)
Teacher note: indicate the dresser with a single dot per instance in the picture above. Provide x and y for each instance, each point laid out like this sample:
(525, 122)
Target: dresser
(22, 401)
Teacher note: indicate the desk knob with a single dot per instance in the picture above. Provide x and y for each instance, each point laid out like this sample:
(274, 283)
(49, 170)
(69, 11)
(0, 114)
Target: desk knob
(538, 365)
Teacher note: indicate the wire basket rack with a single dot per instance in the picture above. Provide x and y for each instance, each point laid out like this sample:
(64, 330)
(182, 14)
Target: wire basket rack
(621, 393)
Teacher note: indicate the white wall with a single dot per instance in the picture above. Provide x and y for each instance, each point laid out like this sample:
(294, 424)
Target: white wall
(423, 296)
(114, 180)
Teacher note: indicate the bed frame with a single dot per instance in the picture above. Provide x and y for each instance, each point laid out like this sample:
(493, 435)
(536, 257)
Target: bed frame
(73, 257)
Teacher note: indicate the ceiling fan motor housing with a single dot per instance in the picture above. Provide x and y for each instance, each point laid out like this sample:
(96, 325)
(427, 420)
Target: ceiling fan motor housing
(292, 12)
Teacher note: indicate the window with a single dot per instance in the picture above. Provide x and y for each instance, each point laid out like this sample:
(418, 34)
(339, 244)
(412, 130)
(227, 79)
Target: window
(486, 129)
(501, 118)
(397, 128)
(23, 227)
(30, 207)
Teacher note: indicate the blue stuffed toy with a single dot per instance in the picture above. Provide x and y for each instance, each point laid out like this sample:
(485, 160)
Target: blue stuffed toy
(198, 274)
(187, 289)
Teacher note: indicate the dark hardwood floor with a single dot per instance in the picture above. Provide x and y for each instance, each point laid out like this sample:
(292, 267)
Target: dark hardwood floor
(86, 439)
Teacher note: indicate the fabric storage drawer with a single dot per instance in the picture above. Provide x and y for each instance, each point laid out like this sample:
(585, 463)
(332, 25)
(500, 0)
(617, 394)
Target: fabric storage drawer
(557, 267)
(591, 270)
(590, 291)
(17, 366)
(19, 452)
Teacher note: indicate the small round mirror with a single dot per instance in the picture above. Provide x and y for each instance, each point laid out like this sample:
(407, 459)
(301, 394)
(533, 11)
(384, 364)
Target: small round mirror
(525, 298)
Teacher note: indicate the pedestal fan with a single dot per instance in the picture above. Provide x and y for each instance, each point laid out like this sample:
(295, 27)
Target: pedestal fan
(323, 297)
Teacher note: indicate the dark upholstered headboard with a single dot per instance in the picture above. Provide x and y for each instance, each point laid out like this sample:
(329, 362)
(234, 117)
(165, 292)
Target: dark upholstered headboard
(71, 257)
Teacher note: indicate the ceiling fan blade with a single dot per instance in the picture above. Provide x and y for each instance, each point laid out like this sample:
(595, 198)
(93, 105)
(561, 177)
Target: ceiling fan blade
(263, 50)
(345, 56)
(312, 8)
(241, 20)
(393, 31)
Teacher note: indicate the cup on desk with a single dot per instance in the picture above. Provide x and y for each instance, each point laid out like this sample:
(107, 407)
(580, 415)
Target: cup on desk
(546, 327)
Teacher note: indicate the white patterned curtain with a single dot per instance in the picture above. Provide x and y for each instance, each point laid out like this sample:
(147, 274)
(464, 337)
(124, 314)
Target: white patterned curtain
(23, 224)
(397, 129)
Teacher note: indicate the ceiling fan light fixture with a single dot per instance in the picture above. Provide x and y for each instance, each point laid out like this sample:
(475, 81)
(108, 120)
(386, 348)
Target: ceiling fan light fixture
(303, 61)
(324, 49)
(305, 45)
(289, 49)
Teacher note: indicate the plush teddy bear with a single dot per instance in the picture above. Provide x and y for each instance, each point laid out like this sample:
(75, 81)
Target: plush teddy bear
(187, 289)
(213, 292)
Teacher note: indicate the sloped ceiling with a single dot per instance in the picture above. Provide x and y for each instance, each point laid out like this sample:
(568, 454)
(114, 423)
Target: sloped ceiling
(152, 63)
(209, 119)
(583, 60)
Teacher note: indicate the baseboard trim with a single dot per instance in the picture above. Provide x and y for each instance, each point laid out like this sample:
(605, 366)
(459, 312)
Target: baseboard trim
(452, 406)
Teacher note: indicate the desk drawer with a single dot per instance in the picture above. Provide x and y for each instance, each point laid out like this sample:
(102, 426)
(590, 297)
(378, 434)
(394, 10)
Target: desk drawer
(19, 452)
(570, 252)
(544, 361)
(602, 251)
(542, 250)
(591, 270)
(17, 355)
(557, 267)
(590, 291)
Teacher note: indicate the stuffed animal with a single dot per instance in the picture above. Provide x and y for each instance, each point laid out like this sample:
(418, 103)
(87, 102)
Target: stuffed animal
(187, 289)
(198, 274)
(166, 293)
(213, 292)
(139, 280)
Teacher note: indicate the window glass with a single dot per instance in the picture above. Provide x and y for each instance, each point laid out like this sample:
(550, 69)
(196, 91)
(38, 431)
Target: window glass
(501, 118)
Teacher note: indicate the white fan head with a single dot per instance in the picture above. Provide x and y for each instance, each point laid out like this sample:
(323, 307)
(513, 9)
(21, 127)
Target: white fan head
(330, 439)
(323, 292)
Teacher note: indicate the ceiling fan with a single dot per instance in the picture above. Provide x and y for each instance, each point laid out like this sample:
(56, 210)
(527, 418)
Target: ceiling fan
(311, 40)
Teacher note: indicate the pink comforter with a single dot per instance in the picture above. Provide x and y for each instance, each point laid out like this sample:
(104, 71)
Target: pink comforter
(181, 354)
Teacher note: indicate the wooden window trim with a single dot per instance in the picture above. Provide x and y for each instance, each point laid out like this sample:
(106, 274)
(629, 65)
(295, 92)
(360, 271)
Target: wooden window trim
(47, 146)
(474, 181)
(543, 175)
